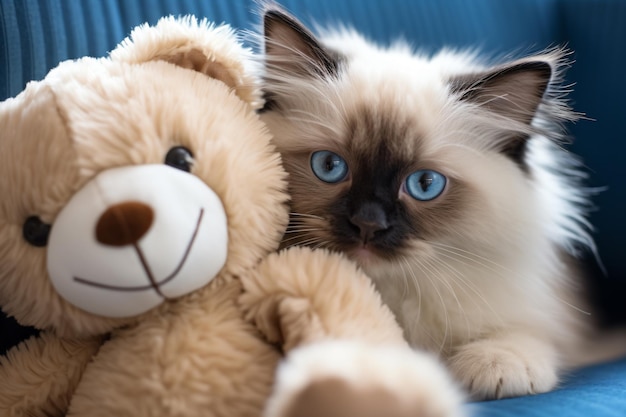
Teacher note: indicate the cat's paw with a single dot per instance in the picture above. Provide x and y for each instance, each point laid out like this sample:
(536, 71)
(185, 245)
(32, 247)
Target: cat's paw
(345, 379)
(500, 368)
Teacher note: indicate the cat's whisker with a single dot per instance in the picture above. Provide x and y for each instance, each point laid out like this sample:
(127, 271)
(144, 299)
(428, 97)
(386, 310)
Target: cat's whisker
(306, 215)
(296, 225)
(457, 249)
(446, 282)
(466, 285)
(303, 225)
(302, 229)
(292, 238)
(306, 242)
(480, 261)
(416, 284)
(459, 277)
(471, 287)
(426, 274)
(304, 220)
(567, 303)
(443, 279)
(414, 323)
(405, 280)
(469, 262)
(322, 244)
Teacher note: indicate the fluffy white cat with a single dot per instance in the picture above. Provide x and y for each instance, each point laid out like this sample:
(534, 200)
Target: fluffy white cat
(444, 178)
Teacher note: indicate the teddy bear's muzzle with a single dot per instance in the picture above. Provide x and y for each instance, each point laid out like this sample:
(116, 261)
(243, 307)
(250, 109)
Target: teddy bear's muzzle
(134, 237)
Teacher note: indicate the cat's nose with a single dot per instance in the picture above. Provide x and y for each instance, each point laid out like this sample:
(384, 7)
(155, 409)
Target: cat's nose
(369, 218)
(124, 223)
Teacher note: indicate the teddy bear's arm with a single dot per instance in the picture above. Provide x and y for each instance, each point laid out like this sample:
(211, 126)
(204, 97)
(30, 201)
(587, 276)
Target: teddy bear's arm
(38, 376)
(299, 296)
(345, 353)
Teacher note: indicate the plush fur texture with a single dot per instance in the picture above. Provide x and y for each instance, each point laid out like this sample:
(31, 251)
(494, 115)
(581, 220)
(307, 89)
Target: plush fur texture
(482, 275)
(37, 373)
(176, 99)
(92, 115)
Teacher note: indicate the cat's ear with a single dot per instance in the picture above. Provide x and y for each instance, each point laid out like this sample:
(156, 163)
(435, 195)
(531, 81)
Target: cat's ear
(291, 49)
(514, 91)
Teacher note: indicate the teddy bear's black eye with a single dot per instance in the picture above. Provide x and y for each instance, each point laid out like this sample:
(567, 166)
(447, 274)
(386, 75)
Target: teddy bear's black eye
(179, 157)
(35, 231)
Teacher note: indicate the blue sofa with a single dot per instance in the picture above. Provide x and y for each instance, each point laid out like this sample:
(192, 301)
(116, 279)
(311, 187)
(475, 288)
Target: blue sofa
(36, 34)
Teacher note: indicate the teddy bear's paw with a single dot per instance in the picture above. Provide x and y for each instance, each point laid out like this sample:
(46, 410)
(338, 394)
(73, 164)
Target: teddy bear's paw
(491, 369)
(288, 321)
(342, 379)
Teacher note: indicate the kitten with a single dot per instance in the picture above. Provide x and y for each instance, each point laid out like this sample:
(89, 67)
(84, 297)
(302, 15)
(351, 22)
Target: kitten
(444, 179)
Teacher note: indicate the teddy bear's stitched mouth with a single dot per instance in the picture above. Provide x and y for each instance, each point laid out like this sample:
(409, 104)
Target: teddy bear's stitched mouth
(154, 284)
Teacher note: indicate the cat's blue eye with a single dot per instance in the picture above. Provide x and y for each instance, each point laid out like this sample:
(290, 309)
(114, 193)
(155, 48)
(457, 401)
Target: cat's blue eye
(328, 166)
(425, 184)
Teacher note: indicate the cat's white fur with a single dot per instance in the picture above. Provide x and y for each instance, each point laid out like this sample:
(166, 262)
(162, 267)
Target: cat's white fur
(500, 307)
(493, 294)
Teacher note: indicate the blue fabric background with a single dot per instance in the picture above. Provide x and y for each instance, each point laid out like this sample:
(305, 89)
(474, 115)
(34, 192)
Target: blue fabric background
(36, 34)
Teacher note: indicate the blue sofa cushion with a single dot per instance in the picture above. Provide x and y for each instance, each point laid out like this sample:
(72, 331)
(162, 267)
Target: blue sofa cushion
(598, 391)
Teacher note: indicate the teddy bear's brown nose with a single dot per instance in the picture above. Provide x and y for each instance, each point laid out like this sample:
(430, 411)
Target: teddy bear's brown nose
(124, 223)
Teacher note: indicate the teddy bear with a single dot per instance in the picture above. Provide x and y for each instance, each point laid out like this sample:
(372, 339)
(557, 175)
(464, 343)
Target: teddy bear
(142, 208)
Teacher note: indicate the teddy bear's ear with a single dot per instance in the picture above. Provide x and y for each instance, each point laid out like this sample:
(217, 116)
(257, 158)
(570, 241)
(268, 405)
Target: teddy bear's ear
(213, 50)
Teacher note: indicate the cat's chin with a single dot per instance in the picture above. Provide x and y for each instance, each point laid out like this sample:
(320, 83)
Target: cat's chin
(363, 256)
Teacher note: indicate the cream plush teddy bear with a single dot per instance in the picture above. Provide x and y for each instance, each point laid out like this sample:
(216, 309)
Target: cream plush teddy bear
(142, 204)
